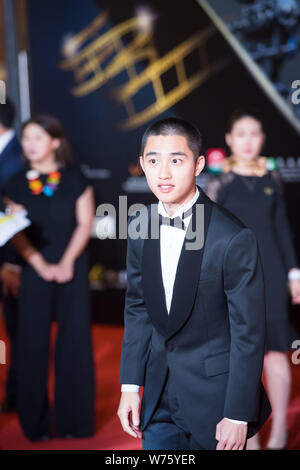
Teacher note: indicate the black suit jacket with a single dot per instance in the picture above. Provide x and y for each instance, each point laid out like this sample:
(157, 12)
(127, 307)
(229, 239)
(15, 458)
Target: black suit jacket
(10, 163)
(212, 341)
(10, 160)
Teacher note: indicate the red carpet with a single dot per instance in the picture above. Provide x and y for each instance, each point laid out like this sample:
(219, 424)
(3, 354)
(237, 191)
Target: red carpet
(109, 434)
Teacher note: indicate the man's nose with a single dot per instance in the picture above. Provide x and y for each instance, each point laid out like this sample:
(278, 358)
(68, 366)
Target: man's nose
(164, 171)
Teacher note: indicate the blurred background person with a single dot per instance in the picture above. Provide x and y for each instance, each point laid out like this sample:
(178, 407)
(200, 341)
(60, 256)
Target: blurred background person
(10, 149)
(54, 279)
(254, 194)
(10, 163)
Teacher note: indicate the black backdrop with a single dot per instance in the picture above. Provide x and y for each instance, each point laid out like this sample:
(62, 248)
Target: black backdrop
(93, 122)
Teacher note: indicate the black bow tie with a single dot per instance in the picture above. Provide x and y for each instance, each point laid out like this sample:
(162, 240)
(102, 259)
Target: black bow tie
(177, 222)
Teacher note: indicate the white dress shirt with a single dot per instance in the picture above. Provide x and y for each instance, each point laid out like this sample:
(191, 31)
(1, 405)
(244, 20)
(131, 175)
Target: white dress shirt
(6, 138)
(171, 241)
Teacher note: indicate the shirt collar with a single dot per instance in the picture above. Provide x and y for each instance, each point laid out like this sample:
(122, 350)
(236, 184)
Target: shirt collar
(162, 211)
(6, 138)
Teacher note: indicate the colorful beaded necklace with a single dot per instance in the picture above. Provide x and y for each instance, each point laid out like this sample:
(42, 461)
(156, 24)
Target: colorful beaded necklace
(37, 187)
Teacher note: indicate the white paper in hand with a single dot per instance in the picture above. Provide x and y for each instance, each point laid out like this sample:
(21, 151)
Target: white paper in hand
(10, 224)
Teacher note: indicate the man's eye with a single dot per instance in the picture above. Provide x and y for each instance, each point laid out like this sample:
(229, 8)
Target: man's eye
(176, 160)
(153, 161)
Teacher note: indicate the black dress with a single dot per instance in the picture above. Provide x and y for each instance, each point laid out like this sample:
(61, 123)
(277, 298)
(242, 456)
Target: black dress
(258, 203)
(53, 223)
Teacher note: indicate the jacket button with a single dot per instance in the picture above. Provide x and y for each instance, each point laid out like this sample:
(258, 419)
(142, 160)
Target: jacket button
(170, 347)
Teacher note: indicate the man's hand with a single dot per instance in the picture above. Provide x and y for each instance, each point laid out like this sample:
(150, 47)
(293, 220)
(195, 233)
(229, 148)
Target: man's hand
(231, 436)
(128, 413)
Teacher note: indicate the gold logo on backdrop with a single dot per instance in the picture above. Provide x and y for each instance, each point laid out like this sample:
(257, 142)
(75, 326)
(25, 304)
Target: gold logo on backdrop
(98, 54)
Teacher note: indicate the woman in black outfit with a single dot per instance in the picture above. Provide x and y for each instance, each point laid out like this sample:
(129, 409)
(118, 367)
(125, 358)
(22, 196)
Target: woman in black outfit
(54, 280)
(254, 195)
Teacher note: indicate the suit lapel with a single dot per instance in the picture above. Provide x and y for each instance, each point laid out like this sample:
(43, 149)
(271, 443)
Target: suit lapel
(187, 275)
(186, 280)
(152, 283)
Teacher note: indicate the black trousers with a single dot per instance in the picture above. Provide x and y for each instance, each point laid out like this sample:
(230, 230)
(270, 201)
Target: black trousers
(167, 429)
(74, 374)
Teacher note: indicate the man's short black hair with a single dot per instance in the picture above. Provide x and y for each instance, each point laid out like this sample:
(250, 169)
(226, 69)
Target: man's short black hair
(7, 114)
(175, 126)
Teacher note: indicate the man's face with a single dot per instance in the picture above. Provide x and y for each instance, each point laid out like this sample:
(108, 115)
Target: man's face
(170, 168)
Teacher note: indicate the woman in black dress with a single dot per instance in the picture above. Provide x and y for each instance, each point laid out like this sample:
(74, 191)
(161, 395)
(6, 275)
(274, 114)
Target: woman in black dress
(254, 194)
(54, 280)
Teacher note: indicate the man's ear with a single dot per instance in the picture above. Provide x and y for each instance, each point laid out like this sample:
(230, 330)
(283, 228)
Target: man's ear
(200, 164)
(142, 162)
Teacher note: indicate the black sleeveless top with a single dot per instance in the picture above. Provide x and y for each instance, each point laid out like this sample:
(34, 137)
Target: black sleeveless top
(53, 218)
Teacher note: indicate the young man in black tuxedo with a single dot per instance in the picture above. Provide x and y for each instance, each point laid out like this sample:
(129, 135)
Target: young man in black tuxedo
(194, 312)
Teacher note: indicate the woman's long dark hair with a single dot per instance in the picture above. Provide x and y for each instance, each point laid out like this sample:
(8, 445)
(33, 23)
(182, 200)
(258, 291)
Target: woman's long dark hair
(54, 128)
